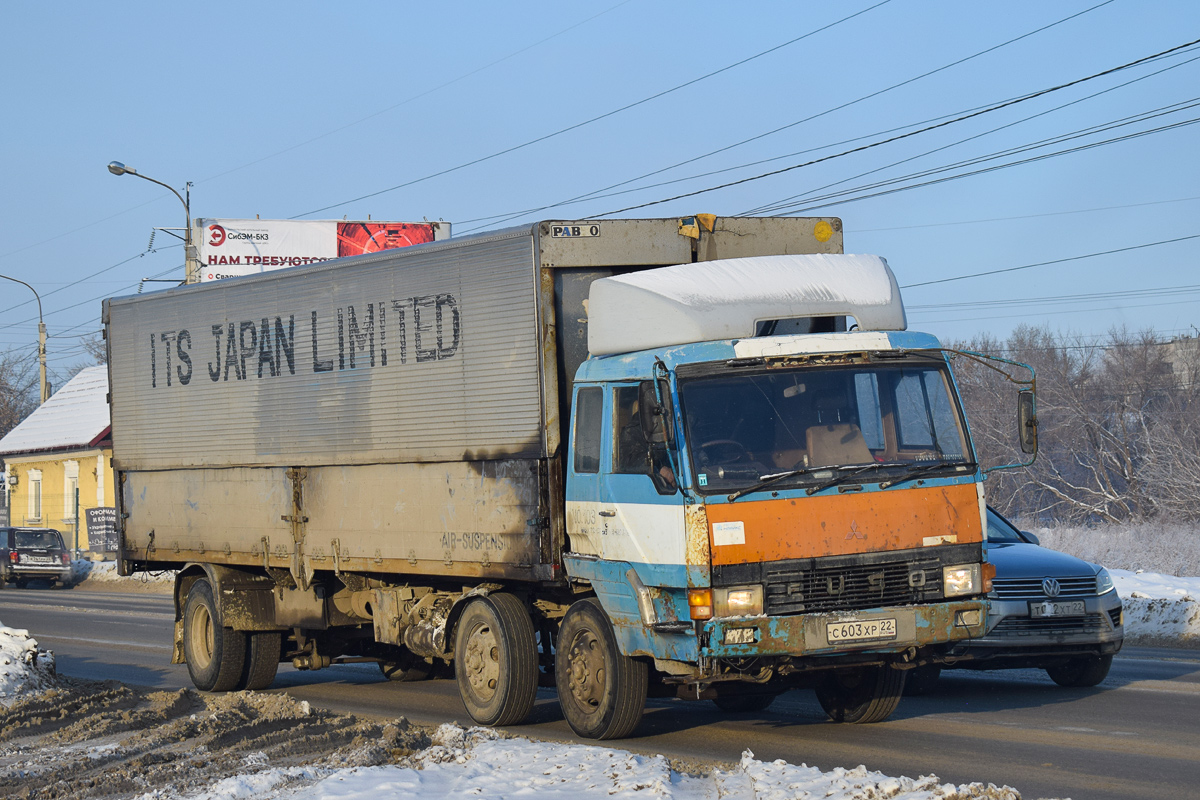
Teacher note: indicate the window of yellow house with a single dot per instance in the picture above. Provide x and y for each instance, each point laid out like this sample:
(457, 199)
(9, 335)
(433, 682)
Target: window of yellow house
(70, 487)
(34, 477)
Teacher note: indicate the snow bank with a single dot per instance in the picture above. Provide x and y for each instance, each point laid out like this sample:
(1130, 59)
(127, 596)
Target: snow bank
(24, 668)
(1159, 609)
(105, 574)
(478, 763)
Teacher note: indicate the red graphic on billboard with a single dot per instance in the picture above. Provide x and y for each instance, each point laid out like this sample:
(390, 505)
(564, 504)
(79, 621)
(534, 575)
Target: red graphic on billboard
(216, 235)
(357, 238)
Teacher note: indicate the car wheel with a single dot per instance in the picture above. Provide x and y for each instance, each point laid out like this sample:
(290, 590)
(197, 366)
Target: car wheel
(1080, 672)
(922, 680)
(263, 649)
(215, 654)
(861, 695)
(746, 703)
(496, 660)
(601, 691)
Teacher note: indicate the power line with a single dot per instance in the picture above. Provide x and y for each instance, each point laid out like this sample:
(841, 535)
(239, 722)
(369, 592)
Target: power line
(956, 120)
(783, 203)
(605, 115)
(1047, 263)
(844, 196)
(1027, 216)
(595, 193)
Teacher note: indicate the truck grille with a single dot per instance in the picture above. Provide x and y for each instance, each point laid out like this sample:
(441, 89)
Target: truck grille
(849, 583)
(1016, 627)
(1031, 588)
(792, 589)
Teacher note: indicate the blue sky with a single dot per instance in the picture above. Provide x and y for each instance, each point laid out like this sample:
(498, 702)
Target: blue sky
(283, 109)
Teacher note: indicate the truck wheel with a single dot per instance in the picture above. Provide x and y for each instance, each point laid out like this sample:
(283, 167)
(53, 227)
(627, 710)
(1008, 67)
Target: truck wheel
(263, 649)
(864, 694)
(214, 654)
(409, 667)
(1081, 672)
(922, 680)
(744, 703)
(601, 691)
(495, 660)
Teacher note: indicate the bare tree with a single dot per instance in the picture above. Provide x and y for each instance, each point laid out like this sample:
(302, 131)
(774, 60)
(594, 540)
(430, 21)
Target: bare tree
(1117, 422)
(18, 387)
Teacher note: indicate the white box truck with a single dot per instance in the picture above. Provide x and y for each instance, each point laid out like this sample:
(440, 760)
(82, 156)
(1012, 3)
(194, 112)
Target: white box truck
(619, 457)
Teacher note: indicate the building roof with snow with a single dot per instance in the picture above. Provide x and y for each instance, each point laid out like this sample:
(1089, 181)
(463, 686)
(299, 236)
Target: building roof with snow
(75, 417)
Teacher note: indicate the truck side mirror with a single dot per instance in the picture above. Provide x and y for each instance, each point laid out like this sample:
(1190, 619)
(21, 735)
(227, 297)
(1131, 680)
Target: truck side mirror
(651, 412)
(1026, 422)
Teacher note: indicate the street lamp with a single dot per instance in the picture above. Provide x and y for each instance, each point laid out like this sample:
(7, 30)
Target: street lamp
(41, 339)
(191, 271)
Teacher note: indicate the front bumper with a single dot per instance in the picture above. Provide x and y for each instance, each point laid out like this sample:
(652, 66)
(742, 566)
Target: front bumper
(808, 634)
(1013, 634)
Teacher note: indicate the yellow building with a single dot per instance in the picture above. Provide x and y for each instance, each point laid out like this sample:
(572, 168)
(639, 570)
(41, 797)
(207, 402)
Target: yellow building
(61, 452)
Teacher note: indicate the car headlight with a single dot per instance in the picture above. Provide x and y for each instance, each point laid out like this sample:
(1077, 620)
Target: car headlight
(1104, 581)
(738, 601)
(961, 580)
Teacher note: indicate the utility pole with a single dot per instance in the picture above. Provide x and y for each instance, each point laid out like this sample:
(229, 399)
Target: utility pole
(191, 270)
(45, 387)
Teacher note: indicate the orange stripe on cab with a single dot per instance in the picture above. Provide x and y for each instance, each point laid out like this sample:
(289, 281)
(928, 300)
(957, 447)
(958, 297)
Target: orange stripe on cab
(841, 524)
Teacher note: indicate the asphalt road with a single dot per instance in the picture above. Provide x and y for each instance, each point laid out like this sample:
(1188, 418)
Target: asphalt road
(1137, 736)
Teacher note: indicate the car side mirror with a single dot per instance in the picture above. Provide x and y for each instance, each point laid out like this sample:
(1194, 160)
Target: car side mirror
(1026, 422)
(1029, 537)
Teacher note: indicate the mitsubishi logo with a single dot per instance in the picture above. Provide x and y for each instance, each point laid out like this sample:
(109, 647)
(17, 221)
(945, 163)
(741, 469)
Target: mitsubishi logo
(1050, 587)
(855, 533)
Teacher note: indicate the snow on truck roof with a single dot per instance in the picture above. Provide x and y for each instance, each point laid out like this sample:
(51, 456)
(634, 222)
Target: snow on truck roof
(725, 299)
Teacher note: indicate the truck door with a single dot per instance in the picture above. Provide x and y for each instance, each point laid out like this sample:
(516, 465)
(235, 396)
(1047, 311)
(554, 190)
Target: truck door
(583, 471)
(640, 504)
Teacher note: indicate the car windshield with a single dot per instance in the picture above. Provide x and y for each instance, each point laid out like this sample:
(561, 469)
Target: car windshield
(999, 531)
(37, 539)
(821, 423)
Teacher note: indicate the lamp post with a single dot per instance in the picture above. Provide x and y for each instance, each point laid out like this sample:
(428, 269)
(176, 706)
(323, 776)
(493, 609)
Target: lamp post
(41, 339)
(191, 269)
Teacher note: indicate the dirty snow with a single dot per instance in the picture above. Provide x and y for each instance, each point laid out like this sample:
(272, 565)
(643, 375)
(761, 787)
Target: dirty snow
(24, 667)
(481, 763)
(1159, 609)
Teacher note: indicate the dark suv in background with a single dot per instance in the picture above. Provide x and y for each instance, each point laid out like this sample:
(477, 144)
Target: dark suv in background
(33, 553)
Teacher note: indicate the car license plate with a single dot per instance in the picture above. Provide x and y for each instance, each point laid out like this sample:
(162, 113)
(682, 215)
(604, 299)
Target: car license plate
(37, 559)
(740, 635)
(1051, 608)
(860, 630)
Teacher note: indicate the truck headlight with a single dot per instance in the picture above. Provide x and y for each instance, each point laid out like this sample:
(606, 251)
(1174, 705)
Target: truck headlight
(738, 601)
(1104, 581)
(961, 580)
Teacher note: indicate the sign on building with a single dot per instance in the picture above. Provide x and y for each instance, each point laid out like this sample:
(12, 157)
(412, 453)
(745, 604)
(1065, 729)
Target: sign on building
(102, 529)
(231, 247)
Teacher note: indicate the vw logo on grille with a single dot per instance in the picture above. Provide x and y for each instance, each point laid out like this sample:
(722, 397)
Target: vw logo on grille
(1050, 587)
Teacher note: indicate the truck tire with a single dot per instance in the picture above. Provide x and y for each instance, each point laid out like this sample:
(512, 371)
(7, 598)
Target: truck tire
(861, 695)
(263, 649)
(602, 692)
(409, 667)
(1081, 672)
(744, 703)
(496, 660)
(215, 654)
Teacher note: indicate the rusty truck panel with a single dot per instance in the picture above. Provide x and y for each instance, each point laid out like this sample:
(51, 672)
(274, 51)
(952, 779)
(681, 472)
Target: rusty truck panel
(466, 519)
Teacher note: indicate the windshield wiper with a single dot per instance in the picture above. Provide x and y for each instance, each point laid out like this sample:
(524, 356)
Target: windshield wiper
(852, 473)
(766, 480)
(918, 471)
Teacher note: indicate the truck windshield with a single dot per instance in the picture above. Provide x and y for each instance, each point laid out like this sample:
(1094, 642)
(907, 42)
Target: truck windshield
(821, 422)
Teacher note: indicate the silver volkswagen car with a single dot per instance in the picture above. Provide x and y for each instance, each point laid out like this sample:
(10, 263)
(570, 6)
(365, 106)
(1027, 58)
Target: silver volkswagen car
(1047, 610)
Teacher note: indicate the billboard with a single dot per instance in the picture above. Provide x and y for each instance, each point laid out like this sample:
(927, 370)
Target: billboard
(230, 247)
